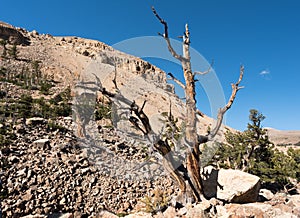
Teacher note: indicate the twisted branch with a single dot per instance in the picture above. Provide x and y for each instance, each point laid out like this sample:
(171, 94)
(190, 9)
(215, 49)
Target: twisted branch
(166, 36)
(222, 111)
(172, 77)
(205, 72)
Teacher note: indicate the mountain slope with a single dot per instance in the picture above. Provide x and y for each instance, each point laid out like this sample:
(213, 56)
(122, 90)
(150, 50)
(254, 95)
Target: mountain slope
(45, 168)
(71, 59)
(47, 165)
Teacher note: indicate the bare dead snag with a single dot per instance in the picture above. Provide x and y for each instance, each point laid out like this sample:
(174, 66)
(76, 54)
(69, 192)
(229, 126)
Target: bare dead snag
(139, 117)
(192, 162)
(193, 140)
(188, 177)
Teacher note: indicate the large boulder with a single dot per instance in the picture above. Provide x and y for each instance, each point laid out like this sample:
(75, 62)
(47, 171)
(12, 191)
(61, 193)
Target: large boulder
(230, 185)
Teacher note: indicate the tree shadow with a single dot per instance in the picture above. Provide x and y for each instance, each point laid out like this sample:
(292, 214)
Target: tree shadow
(210, 182)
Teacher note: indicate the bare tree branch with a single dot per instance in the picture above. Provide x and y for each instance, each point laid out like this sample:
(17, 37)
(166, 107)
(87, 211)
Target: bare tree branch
(135, 123)
(176, 80)
(186, 36)
(166, 36)
(162, 21)
(205, 72)
(142, 117)
(134, 108)
(161, 146)
(200, 113)
(222, 111)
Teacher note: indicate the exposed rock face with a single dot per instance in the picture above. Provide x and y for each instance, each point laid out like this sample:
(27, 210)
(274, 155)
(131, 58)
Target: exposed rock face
(12, 35)
(230, 185)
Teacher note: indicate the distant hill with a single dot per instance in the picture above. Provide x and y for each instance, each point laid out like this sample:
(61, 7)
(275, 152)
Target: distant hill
(284, 137)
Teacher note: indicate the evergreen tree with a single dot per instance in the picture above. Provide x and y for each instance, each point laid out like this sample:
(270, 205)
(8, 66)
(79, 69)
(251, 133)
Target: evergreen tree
(13, 52)
(252, 151)
(3, 43)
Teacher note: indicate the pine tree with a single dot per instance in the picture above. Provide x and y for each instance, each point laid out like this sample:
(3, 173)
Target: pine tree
(252, 151)
(13, 52)
(3, 43)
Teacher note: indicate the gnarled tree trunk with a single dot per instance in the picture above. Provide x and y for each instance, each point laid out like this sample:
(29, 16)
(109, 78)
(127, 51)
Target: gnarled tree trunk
(188, 177)
(193, 164)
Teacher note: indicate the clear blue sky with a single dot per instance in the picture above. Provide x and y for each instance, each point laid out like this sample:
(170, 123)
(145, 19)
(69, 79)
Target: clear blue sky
(262, 35)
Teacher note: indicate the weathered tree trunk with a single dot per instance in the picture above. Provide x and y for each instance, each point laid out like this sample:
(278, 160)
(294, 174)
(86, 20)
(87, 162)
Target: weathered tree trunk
(193, 161)
(193, 164)
(188, 177)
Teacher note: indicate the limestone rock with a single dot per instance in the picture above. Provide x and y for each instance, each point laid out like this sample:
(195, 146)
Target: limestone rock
(106, 214)
(294, 202)
(139, 215)
(195, 212)
(169, 212)
(265, 194)
(42, 143)
(256, 210)
(230, 185)
(12, 35)
(34, 120)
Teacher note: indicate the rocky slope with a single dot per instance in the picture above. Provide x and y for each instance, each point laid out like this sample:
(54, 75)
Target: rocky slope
(45, 168)
(73, 59)
(50, 166)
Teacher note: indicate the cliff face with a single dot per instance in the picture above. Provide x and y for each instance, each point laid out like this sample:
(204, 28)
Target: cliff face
(12, 35)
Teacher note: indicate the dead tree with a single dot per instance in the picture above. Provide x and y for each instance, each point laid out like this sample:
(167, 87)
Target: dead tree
(187, 175)
(192, 138)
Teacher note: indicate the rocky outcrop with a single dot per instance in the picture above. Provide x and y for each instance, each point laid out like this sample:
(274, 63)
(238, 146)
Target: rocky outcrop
(12, 35)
